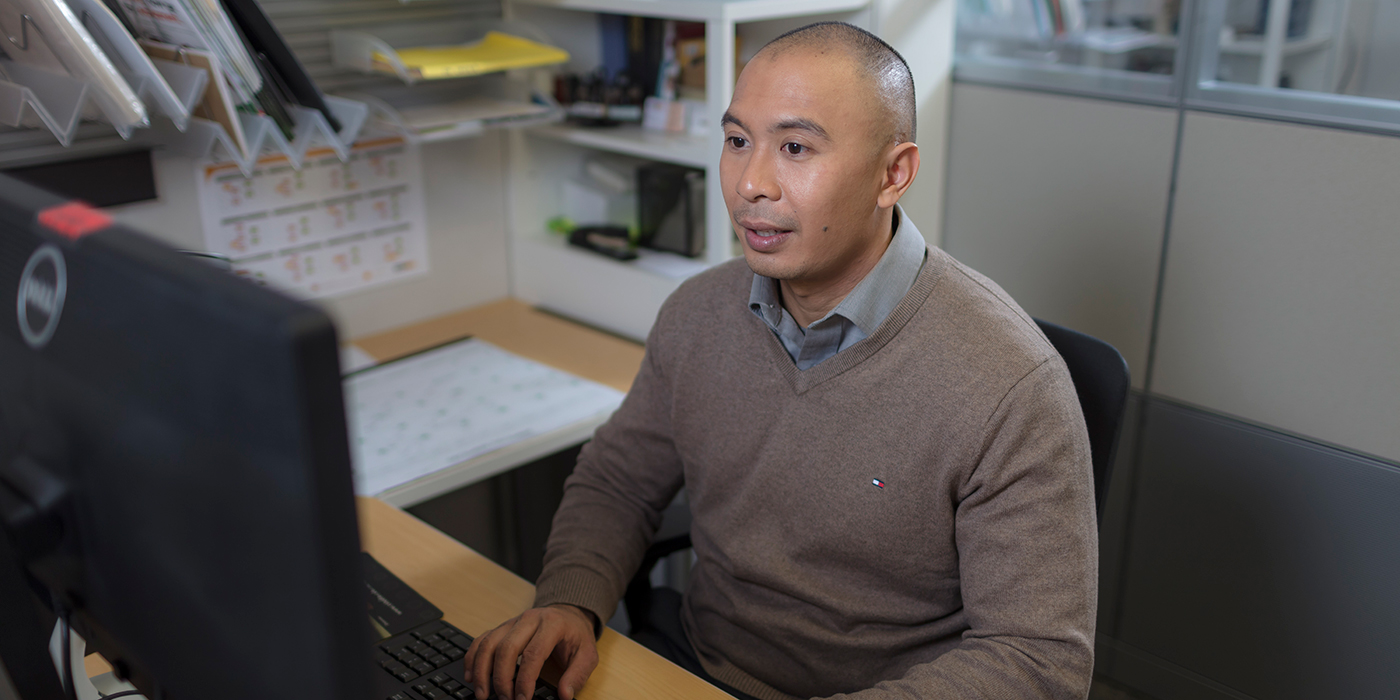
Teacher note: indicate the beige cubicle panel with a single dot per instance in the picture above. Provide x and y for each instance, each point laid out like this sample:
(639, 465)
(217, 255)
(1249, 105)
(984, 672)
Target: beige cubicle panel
(1280, 299)
(464, 190)
(1061, 201)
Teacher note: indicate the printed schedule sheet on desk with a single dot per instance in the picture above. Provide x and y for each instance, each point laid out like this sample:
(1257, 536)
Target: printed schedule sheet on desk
(433, 410)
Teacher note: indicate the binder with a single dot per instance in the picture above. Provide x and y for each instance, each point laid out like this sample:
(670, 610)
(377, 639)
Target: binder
(219, 103)
(116, 41)
(266, 40)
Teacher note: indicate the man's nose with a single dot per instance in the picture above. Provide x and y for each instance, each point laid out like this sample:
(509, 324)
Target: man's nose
(758, 180)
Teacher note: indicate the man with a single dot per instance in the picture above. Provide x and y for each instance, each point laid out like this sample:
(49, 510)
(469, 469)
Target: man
(885, 460)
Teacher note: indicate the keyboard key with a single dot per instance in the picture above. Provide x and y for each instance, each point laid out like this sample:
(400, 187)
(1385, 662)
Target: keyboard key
(405, 675)
(430, 628)
(434, 694)
(421, 687)
(439, 679)
(461, 640)
(543, 693)
(404, 653)
(418, 647)
(449, 686)
(439, 661)
(454, 653)
(398, 696)
(463, 693)
(441, 645)
(422, 668)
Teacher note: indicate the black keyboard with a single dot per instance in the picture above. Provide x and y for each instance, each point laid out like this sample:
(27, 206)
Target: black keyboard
(425, 663)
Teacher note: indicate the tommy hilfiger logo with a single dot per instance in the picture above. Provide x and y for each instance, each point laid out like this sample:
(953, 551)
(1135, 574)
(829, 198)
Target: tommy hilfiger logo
(878, 483)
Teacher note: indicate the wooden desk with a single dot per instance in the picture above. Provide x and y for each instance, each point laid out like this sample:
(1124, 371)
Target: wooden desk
(476, 595)
(519, 328)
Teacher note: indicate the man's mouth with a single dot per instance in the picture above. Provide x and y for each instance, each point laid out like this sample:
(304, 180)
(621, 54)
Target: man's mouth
(764, 240)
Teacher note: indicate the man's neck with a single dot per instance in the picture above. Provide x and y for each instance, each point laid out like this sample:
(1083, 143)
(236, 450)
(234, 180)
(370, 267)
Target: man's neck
(808, 301)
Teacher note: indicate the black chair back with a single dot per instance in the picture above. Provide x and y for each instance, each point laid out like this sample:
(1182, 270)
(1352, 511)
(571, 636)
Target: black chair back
(1101, 379)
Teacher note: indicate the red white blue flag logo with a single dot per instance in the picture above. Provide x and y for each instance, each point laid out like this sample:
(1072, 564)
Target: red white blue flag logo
(878, 483)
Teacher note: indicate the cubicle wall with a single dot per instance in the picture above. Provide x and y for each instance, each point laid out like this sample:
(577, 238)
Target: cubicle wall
(1251, 546)
(1061, 201)
(464, 195)
(465, 179)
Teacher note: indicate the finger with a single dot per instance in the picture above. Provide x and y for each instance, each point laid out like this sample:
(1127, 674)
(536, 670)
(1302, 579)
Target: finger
(513, 642)
(471, 656)
(481, 653)
(581, 666)
(533, 657)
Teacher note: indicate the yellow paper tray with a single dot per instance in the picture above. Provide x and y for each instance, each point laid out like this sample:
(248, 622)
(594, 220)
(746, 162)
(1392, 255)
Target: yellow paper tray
(497, 51)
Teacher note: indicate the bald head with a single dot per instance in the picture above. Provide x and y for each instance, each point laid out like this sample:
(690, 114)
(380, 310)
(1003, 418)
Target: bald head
(885, 70)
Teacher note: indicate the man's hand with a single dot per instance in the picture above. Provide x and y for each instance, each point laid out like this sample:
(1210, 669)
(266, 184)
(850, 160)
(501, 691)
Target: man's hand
(562, 631)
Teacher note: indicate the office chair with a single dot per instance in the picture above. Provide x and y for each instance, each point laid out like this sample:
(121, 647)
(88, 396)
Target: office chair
(1100, 378)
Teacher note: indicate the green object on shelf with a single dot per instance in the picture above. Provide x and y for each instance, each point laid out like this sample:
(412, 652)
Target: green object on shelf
(561, 225)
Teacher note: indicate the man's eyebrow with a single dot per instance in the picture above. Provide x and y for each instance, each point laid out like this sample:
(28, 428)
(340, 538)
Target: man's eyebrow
(731, 119)
(802, 125)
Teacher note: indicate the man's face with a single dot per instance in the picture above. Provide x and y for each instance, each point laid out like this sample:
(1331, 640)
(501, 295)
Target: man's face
(802, 166)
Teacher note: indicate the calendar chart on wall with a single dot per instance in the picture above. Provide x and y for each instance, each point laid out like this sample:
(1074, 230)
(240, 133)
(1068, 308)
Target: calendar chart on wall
(330, 228)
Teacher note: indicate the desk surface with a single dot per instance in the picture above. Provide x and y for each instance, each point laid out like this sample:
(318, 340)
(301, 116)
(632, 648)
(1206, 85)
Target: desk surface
(519, 328)
(516, 326)
(476, 595)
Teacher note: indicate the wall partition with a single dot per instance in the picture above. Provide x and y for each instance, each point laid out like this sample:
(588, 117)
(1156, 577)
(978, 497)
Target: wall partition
(1211, 186)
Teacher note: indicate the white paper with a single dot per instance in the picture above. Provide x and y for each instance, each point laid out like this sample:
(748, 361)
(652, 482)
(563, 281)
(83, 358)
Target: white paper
(329, 228)
(431, 411)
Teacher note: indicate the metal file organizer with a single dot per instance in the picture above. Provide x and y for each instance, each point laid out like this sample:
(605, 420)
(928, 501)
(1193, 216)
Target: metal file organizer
(58, 102)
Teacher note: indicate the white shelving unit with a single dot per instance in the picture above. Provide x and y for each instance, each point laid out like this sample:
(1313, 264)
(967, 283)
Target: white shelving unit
(631, 140)
(624, 297)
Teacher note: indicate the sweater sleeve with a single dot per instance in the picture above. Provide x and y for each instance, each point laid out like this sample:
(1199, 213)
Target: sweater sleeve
(625, 477)
(1027, 542)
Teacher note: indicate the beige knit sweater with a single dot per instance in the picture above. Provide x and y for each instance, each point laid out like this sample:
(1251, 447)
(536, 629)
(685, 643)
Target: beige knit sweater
(912, 518)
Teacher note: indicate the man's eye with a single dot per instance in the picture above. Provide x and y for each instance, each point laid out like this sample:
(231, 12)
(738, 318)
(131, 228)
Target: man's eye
(794, 149)
(737, 141)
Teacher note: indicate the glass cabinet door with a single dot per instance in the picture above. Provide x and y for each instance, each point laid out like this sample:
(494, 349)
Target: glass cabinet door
(1331, 62)
(1112, 48)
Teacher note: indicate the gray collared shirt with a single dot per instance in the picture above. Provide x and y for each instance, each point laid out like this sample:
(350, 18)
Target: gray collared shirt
(859, 314)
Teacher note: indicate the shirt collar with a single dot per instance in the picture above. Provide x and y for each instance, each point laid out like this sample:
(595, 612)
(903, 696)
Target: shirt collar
(874, 297)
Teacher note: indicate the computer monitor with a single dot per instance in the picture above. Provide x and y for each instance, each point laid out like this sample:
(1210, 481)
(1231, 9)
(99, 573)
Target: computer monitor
(174, 469)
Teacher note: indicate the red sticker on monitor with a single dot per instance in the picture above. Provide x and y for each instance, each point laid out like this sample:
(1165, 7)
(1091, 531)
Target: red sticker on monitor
(74, 219)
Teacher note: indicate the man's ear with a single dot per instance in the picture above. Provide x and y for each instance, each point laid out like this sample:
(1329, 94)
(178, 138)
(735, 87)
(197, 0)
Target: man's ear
(901, 165)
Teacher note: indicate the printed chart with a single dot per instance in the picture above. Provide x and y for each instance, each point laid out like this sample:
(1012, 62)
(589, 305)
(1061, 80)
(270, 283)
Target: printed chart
(330, 228)
(434, 410)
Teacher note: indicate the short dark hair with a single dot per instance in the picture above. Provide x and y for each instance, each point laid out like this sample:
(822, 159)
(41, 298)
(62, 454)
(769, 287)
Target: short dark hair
(878, 60)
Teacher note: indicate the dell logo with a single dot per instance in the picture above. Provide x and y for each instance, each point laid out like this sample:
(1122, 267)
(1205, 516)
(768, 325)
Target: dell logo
(42, 288)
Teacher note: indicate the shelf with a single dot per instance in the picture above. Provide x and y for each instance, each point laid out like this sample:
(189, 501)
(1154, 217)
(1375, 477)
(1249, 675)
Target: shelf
(1291, 47)
(622, 297)
(703, 10)
(681, 149)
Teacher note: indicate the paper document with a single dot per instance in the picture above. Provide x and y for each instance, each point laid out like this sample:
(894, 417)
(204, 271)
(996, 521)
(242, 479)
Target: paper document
(434, 410)
(329, 228)
(496, 52)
